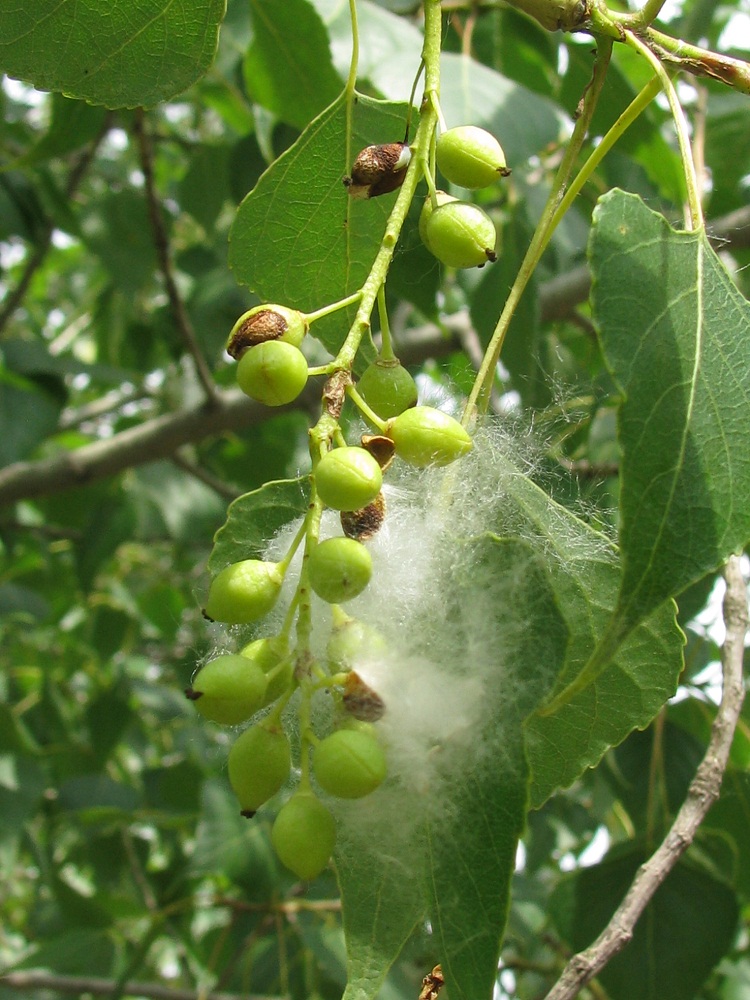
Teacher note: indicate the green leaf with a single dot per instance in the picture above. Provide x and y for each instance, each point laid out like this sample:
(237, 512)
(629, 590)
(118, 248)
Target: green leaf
(470, 818)
(288, 66)
(27, 416)
(684, 931)
(676, 334)
(254, 518)
(228, 843)
(298, 238)
(110, 52)
(73, 125)
(724, 832)
(584, 574)
(118, 230)
(75, 952)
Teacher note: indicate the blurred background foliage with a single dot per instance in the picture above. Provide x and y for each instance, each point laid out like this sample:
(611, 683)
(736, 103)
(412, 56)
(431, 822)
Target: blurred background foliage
(123, 854)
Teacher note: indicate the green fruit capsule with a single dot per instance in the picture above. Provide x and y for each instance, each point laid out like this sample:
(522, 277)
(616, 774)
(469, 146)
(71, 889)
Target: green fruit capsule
(442, 198)
(348, 478)
(461, 235)
(272, 656)
(304, 835)
(351, 641)
(426, 436)
(339, 569)
(470, 157)
(262, 323)
(259, 764)
(243, 592)
(228, 690)
(387, 388)
(349, 763)
(274, 373)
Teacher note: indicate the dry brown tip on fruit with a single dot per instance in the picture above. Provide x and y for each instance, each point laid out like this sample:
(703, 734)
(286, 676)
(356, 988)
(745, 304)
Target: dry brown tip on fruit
(378, 170)
(363, 524)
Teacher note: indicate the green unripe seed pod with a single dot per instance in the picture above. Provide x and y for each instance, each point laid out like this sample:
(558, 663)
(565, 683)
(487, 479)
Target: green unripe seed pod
(442, 198)
(348, 478)
(274, 373)
(303, 835)
(268, 322)
(349, 764)
(470, 157)
(243, 592)
(228, 690)
(426, 436)
(387, 388)
(461, 235)
(339, 569)
(259, 764)
(272, 656)
(351, 641)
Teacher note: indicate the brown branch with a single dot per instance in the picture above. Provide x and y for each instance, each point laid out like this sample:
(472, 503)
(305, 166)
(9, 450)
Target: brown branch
(161, 436)
(702, 793)
(105, 987)
(161, 244)
(35, 261)
(155, 439)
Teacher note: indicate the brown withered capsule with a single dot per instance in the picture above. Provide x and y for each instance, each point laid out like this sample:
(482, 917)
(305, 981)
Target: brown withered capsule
(378, 170)
(262, 323)
(363, 524)
(360, 700)
(380, 447)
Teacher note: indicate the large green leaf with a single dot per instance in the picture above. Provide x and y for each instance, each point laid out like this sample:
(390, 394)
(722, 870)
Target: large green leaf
(298, 238)
(676, 334)
(472, 810)
(119, 53)
(684, 931)
(584, 574)
(288, 66)
(253, 519)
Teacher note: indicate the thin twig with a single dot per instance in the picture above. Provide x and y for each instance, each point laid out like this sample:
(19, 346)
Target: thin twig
(161, 243)
(105, 987)
(225, 490)
(702, 793)
(35, 261)
(154, 439)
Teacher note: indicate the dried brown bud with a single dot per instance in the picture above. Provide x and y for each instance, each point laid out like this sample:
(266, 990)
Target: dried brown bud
(378, 170)
(360, 700)
(334, 392)
(380, 447)
(263, 323)
(363, 524)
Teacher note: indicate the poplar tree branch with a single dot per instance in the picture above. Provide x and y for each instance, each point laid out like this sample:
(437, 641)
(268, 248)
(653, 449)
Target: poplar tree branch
(231, 410)
(161, 244)
(76, 985)
(703, 791)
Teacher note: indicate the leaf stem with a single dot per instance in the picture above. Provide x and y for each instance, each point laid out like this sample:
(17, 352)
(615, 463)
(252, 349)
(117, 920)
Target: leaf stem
(386, 347)
(639, 103)
(351, 80)
(334, 306)
(480, 394)
(681, 126)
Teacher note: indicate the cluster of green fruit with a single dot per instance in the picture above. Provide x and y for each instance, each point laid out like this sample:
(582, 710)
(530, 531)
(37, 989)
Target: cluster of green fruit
(459, 233)
(233, 689)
